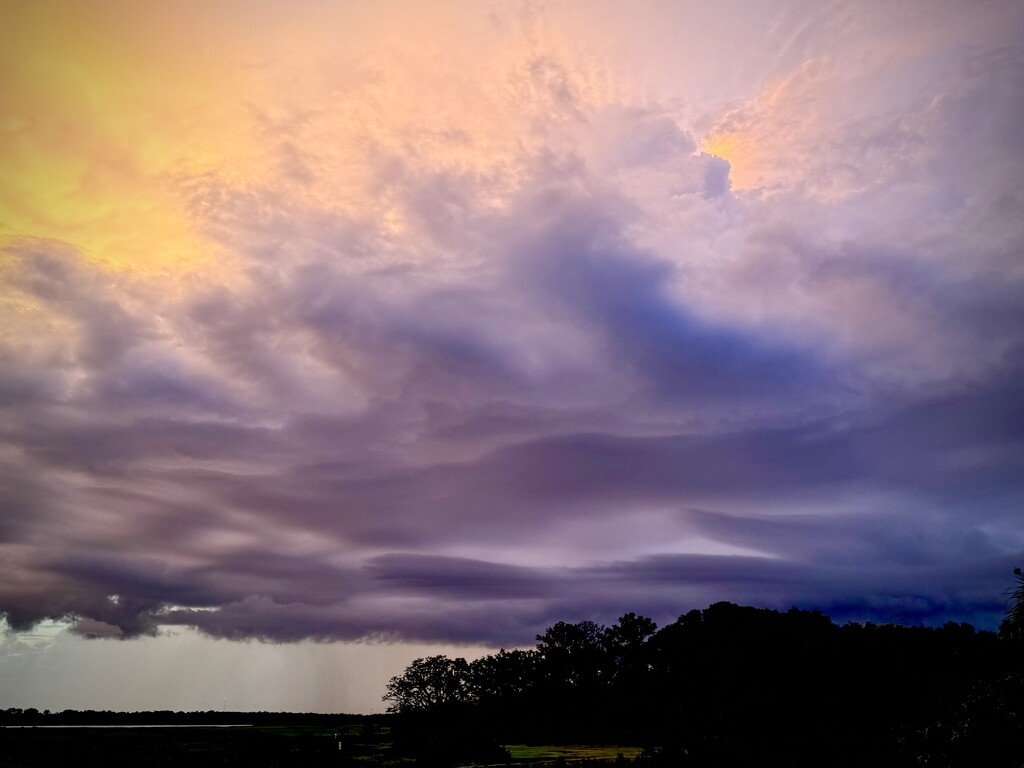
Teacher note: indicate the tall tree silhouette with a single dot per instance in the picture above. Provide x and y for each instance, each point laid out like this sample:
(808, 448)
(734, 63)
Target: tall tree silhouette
(428, 684)
(1012, 627)
(573, 655)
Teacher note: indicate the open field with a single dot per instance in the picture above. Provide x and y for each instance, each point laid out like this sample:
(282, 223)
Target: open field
(543, 754)
(261, 745)
(155, 746)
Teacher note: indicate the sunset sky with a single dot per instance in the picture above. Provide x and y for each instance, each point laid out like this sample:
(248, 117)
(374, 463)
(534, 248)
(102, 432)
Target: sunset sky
(334, 334)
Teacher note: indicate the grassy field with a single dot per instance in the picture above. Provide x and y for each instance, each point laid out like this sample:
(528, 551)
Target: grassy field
(539, 755)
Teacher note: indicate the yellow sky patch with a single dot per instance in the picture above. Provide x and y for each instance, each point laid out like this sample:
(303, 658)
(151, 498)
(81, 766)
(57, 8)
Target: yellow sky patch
(736, 149)
(100, 115)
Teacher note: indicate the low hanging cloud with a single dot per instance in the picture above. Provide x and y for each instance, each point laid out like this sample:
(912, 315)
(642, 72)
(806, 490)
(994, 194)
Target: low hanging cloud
(568, 357)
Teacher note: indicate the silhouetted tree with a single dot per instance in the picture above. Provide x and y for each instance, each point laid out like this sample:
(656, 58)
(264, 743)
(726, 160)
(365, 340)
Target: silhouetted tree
(429, 683)
(573, 655)
(1012, 627)
(732, 685)
(624, 642)
(503, 676)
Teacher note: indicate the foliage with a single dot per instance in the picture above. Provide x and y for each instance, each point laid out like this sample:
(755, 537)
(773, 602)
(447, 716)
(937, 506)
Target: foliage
(429, 683)
(572, 655)
(1012, 627)
(732, 685)
(503, 676)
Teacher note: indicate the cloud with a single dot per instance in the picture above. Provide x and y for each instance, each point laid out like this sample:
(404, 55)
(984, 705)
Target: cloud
(521, 351)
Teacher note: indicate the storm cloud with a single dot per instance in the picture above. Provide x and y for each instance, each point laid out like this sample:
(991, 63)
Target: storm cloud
(450, 365)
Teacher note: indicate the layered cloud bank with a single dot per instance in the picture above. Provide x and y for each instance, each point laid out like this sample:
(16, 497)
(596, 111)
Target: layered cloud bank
(444, 324)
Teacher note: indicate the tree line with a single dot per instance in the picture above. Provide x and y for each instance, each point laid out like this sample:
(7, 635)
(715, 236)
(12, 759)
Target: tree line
(732, 685)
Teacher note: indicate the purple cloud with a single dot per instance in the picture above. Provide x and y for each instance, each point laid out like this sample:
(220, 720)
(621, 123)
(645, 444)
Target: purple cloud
(596, 375)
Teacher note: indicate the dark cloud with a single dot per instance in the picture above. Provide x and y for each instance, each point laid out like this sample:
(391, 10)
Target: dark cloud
(460, 578)
(52, 273)
(625, 385)
(716, 177)
(580, 265)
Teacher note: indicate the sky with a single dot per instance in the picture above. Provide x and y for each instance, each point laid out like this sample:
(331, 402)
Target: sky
(335, 334)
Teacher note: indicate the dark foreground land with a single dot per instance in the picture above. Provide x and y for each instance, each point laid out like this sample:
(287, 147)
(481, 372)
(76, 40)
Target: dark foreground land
(30, 738)
(143, 746)
(365, 745)
(726, 686)
(358, 746)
